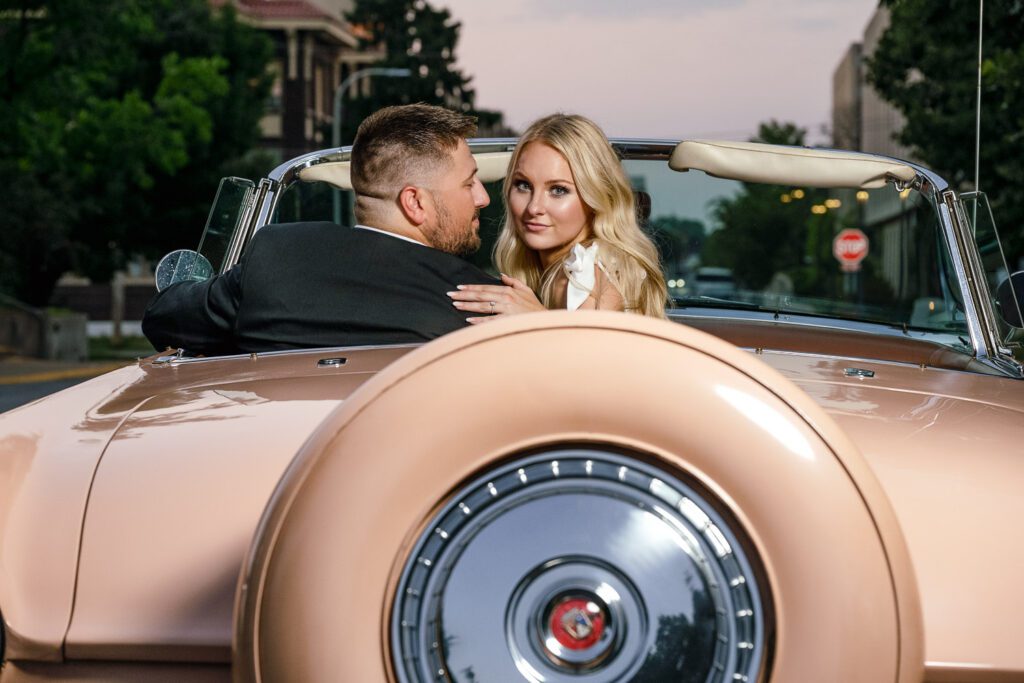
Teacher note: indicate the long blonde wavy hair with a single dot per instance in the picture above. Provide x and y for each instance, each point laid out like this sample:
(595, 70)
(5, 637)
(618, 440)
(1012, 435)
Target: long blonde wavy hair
(629, 257)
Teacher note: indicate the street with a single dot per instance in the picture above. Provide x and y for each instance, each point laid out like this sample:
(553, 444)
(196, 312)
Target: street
(23, 380)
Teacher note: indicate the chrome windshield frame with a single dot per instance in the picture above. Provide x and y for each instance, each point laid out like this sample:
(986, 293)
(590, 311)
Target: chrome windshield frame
(979, 318)
(989, 349)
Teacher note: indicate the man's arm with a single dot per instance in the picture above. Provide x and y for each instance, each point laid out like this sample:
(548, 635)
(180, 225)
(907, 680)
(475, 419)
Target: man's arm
(196, 316)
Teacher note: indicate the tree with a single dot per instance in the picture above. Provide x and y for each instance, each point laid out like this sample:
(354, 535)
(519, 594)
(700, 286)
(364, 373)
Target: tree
(418, 37)
(117, 124)
(677, 239)
(759, 235)
(925, 65)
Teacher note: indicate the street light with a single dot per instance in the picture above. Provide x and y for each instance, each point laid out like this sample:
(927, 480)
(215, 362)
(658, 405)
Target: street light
(336, 123)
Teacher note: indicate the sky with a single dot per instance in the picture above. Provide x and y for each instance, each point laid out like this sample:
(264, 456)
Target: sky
(659, 68)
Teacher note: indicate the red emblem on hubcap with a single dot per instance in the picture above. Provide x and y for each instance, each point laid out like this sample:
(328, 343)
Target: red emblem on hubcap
(577, 623)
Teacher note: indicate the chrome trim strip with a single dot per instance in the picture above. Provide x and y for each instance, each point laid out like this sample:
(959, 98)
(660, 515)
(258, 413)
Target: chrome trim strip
(878, 361)
(641, 148)
(247, 218)
(270, 191)
(1005, 366)
(998, 364)
(178, 359)
(846, 359)
(808, 321)
(985, 307)
(988, 306)
(960, 247)
(287, 172)
(243, 229)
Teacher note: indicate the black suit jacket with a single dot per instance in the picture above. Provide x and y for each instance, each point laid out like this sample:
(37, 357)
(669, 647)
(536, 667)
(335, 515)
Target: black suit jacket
(312, 285)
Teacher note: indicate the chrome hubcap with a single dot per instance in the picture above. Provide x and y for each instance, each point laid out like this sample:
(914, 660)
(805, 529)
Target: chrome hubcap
(578, 565)
(570, 615)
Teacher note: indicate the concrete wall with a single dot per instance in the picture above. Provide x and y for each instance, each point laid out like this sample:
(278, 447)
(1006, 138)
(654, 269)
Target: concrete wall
(52, 335)
(64, 337)
(21, 329)
(879, 120)
(861, 120)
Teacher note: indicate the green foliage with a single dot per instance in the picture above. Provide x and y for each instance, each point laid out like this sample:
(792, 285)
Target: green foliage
(418, 37)
(677, 239)
(758, 235)
(118, 120)
(774, 132)
(925, 65)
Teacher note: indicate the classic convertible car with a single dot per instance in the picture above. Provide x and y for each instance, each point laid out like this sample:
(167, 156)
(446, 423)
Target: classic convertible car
(811, 474)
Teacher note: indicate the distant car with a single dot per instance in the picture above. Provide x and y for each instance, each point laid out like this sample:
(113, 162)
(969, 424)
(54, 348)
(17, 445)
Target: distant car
(714, 282)
(821, 482)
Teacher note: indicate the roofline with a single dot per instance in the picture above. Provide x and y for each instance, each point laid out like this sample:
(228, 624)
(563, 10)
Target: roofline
(325, 24)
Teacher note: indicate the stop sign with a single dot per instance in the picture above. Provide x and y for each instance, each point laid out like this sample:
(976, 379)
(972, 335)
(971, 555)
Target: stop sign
(850, 247)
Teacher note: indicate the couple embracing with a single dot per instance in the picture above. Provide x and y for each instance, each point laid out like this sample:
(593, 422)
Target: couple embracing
(570, 241)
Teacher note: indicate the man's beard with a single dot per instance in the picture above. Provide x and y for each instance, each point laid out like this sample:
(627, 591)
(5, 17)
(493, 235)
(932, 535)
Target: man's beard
(450, 237)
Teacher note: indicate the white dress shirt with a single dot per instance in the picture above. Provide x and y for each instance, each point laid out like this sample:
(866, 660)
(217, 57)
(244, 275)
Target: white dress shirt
(392, 234)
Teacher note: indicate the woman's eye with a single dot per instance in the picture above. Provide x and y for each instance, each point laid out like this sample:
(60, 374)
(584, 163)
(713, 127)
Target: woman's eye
(559, 190)
(521, 186)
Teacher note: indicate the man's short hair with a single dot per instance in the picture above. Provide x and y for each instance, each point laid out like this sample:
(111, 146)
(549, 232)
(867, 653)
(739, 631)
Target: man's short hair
(398, 145)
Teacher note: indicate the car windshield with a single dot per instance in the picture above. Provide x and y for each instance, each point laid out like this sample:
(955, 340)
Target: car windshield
(867, 256)
(854, 257)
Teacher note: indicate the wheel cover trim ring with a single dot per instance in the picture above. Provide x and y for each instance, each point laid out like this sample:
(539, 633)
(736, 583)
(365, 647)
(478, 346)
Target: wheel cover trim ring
(689, 512)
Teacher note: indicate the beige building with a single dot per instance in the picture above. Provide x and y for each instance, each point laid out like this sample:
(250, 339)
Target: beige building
(846, 100)
(861, 120)
(879, 121)
(337, 8)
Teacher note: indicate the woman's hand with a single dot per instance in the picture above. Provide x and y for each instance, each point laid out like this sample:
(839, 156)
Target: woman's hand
(495, 300)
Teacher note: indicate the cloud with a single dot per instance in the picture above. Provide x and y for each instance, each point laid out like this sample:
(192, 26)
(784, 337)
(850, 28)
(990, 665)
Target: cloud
(708, 69)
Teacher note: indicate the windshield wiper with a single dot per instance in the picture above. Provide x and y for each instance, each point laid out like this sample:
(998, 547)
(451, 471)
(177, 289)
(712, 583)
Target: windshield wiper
(710, 301)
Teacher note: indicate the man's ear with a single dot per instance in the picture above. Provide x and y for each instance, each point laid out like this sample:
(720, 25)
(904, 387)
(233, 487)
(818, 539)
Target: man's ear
(414, 203)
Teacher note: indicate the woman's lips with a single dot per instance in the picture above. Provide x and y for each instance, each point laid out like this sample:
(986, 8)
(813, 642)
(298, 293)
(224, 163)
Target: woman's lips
(535, 227)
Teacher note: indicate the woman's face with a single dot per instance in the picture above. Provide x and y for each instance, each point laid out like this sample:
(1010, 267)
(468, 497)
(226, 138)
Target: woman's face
(546, 209)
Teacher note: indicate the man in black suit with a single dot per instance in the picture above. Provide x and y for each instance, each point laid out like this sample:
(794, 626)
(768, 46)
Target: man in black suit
(383, 281)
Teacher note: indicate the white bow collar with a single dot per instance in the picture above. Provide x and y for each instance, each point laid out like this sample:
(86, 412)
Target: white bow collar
(580, 267)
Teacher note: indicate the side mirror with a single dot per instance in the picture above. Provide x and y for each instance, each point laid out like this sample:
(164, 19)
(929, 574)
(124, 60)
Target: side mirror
(182, 265)
(1010, 297)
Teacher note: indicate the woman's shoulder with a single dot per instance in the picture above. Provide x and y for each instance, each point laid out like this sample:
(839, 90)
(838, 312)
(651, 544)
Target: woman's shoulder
(609, 256)
(609, 261)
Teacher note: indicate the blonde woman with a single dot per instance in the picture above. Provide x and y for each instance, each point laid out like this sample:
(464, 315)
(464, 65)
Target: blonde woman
(571, 238)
